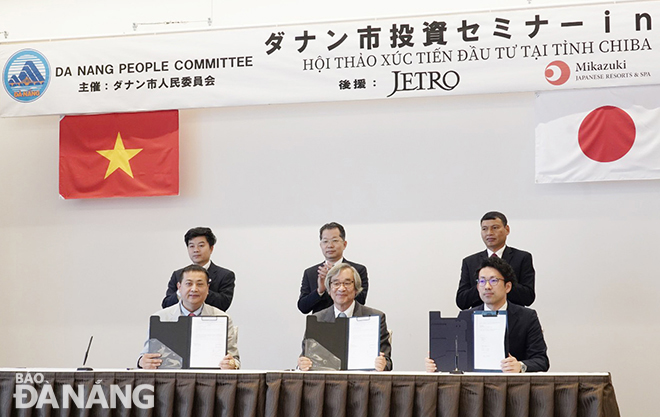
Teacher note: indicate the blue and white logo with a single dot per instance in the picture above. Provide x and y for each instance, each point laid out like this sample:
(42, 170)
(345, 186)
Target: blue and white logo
(26, 75)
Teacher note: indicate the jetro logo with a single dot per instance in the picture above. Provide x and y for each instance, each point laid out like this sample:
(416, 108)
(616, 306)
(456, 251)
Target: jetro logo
(26, 75)
(557, 72)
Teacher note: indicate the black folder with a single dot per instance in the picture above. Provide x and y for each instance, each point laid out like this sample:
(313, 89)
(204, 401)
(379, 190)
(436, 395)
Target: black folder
(176, 336)
(333, 339)
(451, 341)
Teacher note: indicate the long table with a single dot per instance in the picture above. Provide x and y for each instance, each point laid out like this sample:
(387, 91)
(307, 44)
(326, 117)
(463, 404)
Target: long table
(293, 394)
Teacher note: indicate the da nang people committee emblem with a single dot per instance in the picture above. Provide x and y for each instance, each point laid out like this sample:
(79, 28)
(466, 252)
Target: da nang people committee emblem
(26, 75)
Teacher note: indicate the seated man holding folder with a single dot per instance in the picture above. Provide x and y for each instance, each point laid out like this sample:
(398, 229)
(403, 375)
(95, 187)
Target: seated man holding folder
(194, 287)
(344, 284)
(524, 343)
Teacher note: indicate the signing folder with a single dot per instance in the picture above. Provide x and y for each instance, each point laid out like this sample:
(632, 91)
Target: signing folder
(190, 342)
(473, 341)
(347, 344)
(489, 332)
(450, 340)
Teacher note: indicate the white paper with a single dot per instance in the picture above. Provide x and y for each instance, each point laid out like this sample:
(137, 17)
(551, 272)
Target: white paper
(363, 342)
(489, 331)
(208, 341)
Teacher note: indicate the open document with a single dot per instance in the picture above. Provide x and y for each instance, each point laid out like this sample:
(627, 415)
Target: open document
(208, 341)
(191, 342)
(363, 342)
(345, 344)
(489, 333)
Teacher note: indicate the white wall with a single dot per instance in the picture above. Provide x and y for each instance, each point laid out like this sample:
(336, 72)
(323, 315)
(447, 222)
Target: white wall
(409, 178)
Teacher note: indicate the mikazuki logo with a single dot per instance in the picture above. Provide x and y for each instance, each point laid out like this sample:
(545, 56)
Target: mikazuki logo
(109, 396)
(557, 72)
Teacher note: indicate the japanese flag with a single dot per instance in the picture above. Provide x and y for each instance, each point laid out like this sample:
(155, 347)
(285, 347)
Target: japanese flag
(603, 134)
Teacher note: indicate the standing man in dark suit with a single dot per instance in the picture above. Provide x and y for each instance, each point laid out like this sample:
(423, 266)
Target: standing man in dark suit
(313, 292)
(345, 284)
(494, 231)
(524, 345)
(200, 242)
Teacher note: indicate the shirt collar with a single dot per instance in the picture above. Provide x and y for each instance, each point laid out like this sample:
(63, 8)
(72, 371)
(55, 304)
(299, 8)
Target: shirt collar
(503, 308)
(185, 312)
(499, 253)
(349, 311)
(339, 261)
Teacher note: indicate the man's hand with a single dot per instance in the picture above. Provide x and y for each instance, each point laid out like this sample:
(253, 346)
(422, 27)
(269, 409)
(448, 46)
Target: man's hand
(510, 365)
(381, 362)
(430, 365)
(228, 363)
(304, 363)
(150, 361)
(322, 271)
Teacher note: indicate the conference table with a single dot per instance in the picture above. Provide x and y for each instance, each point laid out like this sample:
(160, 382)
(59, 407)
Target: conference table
(190, 393)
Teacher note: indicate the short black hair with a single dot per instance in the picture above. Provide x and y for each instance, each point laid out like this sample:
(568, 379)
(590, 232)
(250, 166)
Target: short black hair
(494, 215)
(502, 267)
(333, 225)
(200, 231)
(194, 268)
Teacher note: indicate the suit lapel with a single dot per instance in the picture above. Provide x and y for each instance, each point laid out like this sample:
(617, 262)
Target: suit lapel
(175, 312)
(357, 311)
(213, 269)
(506, 255)
(329, 315)
(511, 312)
(511, 321)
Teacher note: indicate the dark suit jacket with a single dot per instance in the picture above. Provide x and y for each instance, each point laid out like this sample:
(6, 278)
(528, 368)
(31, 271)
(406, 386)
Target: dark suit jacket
(310, 300)
(522, 293)
(328, 316)
(221, 288)
(524, 337)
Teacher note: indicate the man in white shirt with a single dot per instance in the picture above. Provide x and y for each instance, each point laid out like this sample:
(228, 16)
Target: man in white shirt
(523, 342)
(313, 292)
(200, 242)
(194, 288)
(494, 232)
(344, 284)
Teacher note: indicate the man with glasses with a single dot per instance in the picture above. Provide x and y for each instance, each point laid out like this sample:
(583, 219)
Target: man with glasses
(313, 292)
(523, 343)
(344, 285)
(494, 231)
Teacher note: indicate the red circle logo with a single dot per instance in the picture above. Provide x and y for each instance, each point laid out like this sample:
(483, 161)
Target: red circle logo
(557, 72)
(606, 134)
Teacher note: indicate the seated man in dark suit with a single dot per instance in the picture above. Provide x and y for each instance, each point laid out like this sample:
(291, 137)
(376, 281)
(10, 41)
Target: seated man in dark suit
(345, 284)
(494, 231)
(200, 242)
(523, 342)
(313, 292)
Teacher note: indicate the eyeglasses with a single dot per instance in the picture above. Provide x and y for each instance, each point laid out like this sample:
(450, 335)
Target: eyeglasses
(493, 281)
(335, 242)
(348, 285)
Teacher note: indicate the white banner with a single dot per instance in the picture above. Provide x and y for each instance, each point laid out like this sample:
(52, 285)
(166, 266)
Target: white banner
(437, 55)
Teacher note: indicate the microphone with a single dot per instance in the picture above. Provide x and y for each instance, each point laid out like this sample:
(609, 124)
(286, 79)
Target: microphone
(456, 370)
(83, 367)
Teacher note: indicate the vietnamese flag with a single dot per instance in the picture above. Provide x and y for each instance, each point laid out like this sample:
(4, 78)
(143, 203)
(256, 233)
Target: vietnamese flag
(119, 155)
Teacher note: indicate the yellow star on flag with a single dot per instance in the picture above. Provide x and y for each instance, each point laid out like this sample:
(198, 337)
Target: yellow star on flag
(119, 157)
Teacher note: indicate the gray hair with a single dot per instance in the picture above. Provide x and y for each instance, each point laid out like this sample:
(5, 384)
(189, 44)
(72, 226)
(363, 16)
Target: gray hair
(336, 270)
